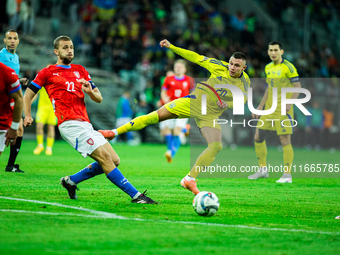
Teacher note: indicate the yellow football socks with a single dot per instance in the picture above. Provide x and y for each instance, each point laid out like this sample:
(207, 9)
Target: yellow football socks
(40, 140)
(50, 142)
(139, 123)
(206, 158)
(288, 157)
(261, 153)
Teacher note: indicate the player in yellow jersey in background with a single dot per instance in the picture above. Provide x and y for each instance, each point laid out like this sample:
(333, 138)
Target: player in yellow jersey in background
(191, 105)
(45, 115)
(280, 73)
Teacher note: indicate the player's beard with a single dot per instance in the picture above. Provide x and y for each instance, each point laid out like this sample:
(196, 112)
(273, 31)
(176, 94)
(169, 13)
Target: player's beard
(67, 60)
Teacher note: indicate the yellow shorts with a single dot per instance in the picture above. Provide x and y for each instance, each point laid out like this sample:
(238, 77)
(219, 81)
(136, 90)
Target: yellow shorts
(282, 124)
(186, 107)
(45, 115)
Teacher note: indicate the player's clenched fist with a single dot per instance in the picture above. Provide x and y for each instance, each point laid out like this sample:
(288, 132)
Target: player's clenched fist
(86, 85)
(165, 43)
(28, 121)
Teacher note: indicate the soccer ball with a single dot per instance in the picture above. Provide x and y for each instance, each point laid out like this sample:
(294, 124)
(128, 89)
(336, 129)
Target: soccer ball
(206, 203)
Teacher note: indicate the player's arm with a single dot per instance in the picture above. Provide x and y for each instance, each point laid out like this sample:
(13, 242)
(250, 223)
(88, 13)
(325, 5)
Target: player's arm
(28, 98)
(294, 78)
(295, 94)
(90, 89)
(164, 96)
(11, 134)
(187, 54)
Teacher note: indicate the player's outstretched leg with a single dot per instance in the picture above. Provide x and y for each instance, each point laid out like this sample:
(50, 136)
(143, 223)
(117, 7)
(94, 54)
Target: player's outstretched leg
(134, 125)
(203, 160)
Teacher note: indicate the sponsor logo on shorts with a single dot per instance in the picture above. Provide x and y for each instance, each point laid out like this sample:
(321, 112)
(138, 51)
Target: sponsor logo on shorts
(90, 141)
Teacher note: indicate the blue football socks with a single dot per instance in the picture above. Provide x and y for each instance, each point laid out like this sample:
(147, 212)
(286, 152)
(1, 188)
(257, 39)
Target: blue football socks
(87, 173)
(117, 178)
(176, 143)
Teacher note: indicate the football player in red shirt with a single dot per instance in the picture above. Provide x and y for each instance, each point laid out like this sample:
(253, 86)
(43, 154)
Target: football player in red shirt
(65, 84)
(10, 88)
(174, 86)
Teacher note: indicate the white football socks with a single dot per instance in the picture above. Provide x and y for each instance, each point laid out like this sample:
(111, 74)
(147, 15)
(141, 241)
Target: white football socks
(115, 131)
(137, 195)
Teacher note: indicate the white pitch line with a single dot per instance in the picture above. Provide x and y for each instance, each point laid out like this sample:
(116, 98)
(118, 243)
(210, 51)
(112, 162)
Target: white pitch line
(51, 213)
(106, 215)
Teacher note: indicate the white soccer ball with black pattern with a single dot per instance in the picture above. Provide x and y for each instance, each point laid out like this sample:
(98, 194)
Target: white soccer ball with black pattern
(206, 203)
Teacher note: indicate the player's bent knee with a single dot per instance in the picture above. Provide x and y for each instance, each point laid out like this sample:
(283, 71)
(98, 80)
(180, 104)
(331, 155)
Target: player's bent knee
(284, 140)
(104, 157)
(260, 135)
(216, 147)
(116, 162)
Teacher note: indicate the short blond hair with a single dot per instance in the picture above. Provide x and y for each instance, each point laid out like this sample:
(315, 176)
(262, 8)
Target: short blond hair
(181, 61)
(60, 38)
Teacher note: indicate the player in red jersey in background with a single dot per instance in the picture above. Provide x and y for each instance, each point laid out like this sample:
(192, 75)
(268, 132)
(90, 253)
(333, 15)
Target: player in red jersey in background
(175, 86)
(65, 84)
(10, 88)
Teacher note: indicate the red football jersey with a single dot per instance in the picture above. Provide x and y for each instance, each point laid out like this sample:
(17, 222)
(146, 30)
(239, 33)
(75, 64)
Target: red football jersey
(177, 88)
(65, 91)
(9, 83)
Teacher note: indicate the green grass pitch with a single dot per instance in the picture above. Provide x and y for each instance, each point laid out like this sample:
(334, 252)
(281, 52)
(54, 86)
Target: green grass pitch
(255, 217)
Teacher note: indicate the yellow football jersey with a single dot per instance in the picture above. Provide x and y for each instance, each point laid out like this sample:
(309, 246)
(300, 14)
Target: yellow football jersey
(44, 100)
(219, 74)
(282, 75)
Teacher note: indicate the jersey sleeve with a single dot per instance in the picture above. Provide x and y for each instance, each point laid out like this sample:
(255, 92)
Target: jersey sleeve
(292, 73)
(40, 80)
(12, 81)
(211, 64)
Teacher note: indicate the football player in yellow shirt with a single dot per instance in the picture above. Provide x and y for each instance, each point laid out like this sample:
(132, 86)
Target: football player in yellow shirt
(45, 115)
(280, 73)
(191, 105)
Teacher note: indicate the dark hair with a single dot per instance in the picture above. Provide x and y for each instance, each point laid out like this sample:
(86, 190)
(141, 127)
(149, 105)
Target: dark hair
(239, 55)
(60, 38)
(11, 30)
(276, 43)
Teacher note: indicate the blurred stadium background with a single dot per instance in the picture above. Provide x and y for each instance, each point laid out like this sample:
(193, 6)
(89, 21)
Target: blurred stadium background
(117, 41)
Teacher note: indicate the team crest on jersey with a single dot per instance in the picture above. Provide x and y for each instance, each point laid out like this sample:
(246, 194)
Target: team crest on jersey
(77, 74)
(172, 105)
(90, 141)
(185, 84)
(279, 72)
